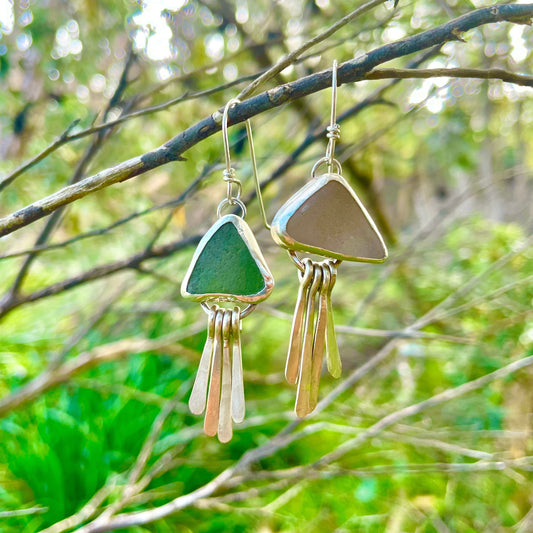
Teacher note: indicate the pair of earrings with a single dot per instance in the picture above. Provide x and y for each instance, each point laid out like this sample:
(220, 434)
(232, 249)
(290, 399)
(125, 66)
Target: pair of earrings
(325, 217)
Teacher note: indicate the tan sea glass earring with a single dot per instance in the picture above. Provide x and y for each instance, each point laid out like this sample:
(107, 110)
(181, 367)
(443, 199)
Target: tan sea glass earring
(325, 217)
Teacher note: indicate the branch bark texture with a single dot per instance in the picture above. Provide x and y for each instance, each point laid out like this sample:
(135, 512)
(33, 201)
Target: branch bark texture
(348, 72)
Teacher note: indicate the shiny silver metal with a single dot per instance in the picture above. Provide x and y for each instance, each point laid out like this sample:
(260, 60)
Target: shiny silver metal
(231, 202)
(232, 196)
(212, 411)
(333, 130)
(243, 312)
(330, 226)
(295, 343)
(303, 394)
(233, 185)
(332, 349)
(331, 162)
(199, 391)
(225, 427)
(221, 368)
(319, 342)
(237, 383)
(249, 239)
(312, 334)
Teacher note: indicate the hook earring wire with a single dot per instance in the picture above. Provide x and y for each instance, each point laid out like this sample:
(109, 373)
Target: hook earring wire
(234, 187)
(333, 130)
(229, 172)
(256, 175)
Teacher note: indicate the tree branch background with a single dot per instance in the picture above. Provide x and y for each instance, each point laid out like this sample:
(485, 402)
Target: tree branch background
(430, 427)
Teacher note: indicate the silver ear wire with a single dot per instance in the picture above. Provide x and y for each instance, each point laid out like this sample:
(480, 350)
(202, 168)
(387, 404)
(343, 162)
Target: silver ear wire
(234, 187)
(233, 197)
(333, 131)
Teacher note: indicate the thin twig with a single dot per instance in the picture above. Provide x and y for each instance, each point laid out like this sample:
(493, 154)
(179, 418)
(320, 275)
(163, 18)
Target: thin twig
(484, 74)
(472, 282)
(99, 272)
(86, 512)
(417, 408)
(86, 360)
(23, 512)
(381, 333)
(60, 141)
(287, 60)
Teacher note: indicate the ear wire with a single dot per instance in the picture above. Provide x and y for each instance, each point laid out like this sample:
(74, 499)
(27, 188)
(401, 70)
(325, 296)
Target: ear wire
(334, 130)
(233, 197)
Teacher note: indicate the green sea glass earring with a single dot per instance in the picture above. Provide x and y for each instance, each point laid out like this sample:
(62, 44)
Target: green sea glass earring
(227, 268)
(325, 217)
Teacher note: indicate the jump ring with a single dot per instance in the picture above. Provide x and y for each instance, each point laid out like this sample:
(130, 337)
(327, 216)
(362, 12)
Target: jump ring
(231, 201)
(333, 163)
(245, 312)
(296, 260)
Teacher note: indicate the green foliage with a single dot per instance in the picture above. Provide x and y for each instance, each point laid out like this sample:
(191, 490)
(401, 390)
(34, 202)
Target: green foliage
(65, 446)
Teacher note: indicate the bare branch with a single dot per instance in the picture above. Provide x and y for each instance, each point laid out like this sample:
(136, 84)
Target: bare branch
(129, 263)
(86, 512)
(186, 97)
(382, 333)
(304, 472)
(60, 141)
(417, 408)
(94, 233)
(348, 72)
(67, 136)
(23, 512)
(485, 74)
(472, 302)
(108, 352)
(175, 202)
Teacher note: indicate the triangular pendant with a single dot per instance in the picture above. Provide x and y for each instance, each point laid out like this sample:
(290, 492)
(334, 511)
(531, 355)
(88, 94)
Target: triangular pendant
(327, 218)
(228, 265)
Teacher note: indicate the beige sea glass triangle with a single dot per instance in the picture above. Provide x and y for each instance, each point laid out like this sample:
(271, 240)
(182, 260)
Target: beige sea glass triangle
(327, 218)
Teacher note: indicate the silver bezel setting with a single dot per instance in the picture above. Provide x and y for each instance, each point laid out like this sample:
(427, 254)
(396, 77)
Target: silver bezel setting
(249, 239)
(291, 206)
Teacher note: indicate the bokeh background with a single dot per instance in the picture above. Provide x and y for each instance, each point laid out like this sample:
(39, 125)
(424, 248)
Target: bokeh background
(98, 351)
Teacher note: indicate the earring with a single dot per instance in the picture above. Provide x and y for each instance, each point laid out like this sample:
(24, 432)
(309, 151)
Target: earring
(227, 267)
(324, 217)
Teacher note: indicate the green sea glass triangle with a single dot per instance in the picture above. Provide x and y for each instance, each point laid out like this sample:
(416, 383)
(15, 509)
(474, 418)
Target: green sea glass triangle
(225, 265)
